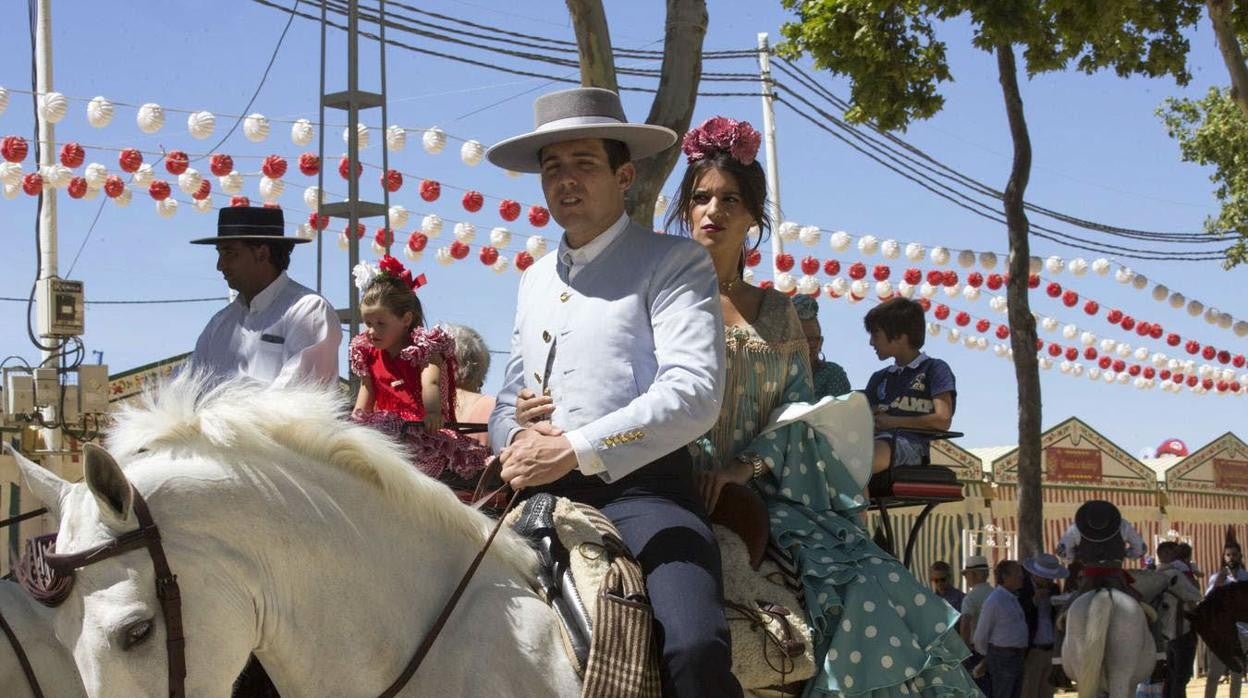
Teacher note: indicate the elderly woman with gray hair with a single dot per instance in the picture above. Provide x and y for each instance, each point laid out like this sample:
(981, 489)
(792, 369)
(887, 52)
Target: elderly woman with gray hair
(830, 378)
(472, 362)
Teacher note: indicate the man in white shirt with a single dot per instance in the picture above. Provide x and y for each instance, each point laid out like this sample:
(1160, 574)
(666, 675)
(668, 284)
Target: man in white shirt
(274, 331)
(975, 571)
(1232, 571)
(1001, 632)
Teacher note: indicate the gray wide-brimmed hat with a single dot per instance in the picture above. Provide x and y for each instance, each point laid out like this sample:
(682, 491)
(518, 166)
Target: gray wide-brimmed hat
(1047, 566)
(569, 115)
(250, 223)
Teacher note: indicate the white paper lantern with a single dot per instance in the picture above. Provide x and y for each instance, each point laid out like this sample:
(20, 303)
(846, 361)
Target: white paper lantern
(915, 252)
(858, 288)
(466, 232)
(890, 249)
(1000, 350)
(434, 140)
(1077, 369)
(204, 205)
(1107, 346)
(396, 138)
(1211, 315)
(363, 138)
(1225, 320)
(1094, 373)
(271, 189)
(53, 107)
(1124, 275)
(343, 242)
(809, 235)
(1034, 265)
(151, 117)
(167, 207)
(1122, 349)
(840, 286)
(953, 335)
(1087, 339)
(807, 285)
(1177, 300)
(1045, 362)
(966, 259)
(201, 124)
(4, 99)
(1049, 324)
(471, 152)
(302, 132)
(998, 304)
(1139, 281)
(988, 260)
(969, 341)
(1227, 374)
(190, 180)
(867, 244)
(927, 290)
(1240, 328)
(431, 225)
(883, 289)
(1070, 332)
(748, 276)
(660, 204)
(312, 197)
(939, 256)
(1054, 265)
(971, 293)
(1195, 307)
(500, 237)
(1078, 266)
(95, 174)
(378, 249)
(952, 291)
(398, 217)
(788, 231)
(256, 127)
(981, 343)
(1109, 376)
(839, 241)
(536, 246)
(1065, 367)
(412, 255)
(123, 199)
(56, 176)
(905, 290)
(1141, 354)
(785, 282)
(1123, 378)
(443, 256)
(231, 183)
(11, 173)
(1159, 360)
(1100, 265)
(500, 265)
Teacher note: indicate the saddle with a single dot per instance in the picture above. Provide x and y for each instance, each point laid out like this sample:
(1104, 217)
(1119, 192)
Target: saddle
(591, 580)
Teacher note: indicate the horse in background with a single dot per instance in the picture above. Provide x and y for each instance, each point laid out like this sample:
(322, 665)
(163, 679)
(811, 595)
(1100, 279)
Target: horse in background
(1108, 647)
(1215, 619)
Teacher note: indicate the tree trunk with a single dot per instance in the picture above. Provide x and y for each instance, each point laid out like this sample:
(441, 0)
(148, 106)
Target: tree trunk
(1022, 323)
(678, 85)
(1228, 45)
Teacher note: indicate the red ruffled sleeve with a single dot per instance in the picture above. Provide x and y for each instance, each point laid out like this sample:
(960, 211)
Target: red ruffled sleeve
(428, 343)
(360, 356)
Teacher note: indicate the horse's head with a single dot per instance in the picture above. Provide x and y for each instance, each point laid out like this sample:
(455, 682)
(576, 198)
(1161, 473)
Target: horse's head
(112, 620)
(1214, 621)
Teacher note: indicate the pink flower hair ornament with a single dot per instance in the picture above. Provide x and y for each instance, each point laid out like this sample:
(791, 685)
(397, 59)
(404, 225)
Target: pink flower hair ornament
(721, 134)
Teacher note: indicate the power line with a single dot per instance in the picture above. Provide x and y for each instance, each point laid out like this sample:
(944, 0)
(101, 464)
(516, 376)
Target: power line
(162, 301)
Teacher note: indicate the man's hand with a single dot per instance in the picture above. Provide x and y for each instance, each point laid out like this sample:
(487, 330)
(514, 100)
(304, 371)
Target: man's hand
(537, 456)
(710, 483)
(884, 422)
(532, 408)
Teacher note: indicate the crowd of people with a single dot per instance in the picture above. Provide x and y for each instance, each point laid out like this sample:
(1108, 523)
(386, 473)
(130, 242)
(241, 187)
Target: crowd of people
(643, 371)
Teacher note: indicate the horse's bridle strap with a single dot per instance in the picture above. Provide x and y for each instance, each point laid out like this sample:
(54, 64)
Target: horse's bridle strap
(22, 659)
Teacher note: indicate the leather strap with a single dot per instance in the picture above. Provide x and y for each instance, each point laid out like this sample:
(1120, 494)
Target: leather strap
(22, 517)
(436, 629)
(22, 659)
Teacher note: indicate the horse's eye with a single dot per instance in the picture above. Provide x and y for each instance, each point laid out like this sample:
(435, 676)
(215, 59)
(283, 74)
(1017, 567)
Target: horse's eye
(137, 632)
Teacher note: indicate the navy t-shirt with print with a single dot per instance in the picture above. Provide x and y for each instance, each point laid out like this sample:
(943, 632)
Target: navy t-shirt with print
(908, 390)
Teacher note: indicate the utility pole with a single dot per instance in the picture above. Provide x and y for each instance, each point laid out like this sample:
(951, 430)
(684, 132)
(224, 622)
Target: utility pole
(47, 208)
(769, 141)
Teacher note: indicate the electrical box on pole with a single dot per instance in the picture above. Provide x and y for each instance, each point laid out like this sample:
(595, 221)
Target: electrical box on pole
(61, 310)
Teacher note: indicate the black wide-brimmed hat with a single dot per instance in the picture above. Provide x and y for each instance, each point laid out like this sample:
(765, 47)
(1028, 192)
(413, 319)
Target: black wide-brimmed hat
(250, 223)
(1098, 520)
(569, 115)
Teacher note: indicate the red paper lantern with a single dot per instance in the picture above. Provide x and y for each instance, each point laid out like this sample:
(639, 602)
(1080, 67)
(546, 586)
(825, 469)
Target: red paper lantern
(924, 303)
(72, 155)
(240, 201)
(274, 167)
(430, 189)
(962, 319)
(523, 260)
(1072, 354)
(1091, 307)
(538, 216)
(1070, 299)
(1055, 350)
(1089, 353)
(489, 255)
(1237, 361)
(1127, 322)
(114, 186)
(881, 272)
(309, 164)
(221, 164)
(77, 188)
(508, 210)
(318, 222)
(1224, 357)
(202, 191)
(1207, 384)
(1114, 316)
(950, 278)
(1054, 289)
(1003, 332)
(857, 270)
(392, 180)
(176, 162)
(912, 276)
(344, 168)
(459, 250)
(1234, 387)
(766, 284)
(810, 265)
(753, 258)
(942, 311)
(1133, 370)
(14, 148)
(1208, 352)
(1143, 329)
(1164, 374)
(1033, 281)
(383, 237)
(1192, 381)
(1155, 331)
(784, 261)
(359, 230)
(1105, 362)
(159, 190)
(272, 204)
(1149, 372)
(1173, 339)
(974, 279)
(1119, 365)
(130, 160)
(473, 201)
(935, 277)
(982, 326)
(1192, 346)
(417, 241)
(995, 282)
(1222, 386)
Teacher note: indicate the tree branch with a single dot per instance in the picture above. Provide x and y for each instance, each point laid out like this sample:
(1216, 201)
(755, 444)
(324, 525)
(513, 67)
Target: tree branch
(1228, 45)
(593, 44)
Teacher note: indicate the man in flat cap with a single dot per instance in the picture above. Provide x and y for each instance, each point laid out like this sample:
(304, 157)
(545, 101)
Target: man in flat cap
(622, 328)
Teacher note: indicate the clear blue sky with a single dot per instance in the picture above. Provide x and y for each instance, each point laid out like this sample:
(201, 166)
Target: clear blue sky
(1100, 153)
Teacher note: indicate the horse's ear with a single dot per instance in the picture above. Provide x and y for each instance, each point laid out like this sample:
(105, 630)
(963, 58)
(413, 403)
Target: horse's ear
(47, 486)
(109, 485)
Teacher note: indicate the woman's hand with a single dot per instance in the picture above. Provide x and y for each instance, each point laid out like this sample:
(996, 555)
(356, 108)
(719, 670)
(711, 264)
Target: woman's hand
(711, 482)
(433, 419)
(532, 408)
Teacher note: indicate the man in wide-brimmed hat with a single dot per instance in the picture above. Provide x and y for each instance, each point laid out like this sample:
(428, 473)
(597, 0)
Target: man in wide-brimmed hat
(1044, 572)
(975, 571)
(275, 330)
(622, 330)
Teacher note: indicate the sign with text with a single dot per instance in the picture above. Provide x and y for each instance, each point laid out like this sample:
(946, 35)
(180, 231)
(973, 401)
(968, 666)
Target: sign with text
(1081, 465)
(1230, 474)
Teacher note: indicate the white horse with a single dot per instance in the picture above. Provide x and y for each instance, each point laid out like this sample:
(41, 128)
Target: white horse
(295, 536)
(51, 663)
(1108, 646)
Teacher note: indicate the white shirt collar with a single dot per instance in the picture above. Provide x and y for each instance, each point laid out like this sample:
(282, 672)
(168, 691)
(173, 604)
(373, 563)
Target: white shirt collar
(913, 364)
(586, 253)
(266, 297)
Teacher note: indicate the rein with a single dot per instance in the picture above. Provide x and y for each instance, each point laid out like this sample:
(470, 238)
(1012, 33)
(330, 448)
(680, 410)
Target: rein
(22, 659)
(22, 517)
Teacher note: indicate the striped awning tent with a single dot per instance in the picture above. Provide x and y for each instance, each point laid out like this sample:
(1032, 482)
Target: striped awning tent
(1207, 493)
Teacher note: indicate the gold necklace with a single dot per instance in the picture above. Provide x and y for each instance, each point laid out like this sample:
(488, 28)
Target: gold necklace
(730, 284)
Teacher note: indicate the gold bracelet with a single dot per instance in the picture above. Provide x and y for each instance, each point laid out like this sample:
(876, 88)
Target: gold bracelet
(753, 459)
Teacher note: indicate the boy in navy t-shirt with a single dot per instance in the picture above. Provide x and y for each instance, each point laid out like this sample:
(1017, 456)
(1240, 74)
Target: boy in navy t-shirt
(916, 393)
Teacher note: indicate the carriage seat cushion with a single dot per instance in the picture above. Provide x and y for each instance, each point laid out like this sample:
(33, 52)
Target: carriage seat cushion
(916, 482)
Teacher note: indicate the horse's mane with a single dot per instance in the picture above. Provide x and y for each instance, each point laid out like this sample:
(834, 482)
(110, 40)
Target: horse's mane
(189, 412)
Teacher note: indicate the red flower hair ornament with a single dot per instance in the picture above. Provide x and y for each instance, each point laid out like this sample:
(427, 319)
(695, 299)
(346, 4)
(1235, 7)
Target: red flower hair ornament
(721, 134)
(365, 274)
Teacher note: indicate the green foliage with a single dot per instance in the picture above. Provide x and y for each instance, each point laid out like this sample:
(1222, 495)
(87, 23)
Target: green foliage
(889, 49)
(1214, 132)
